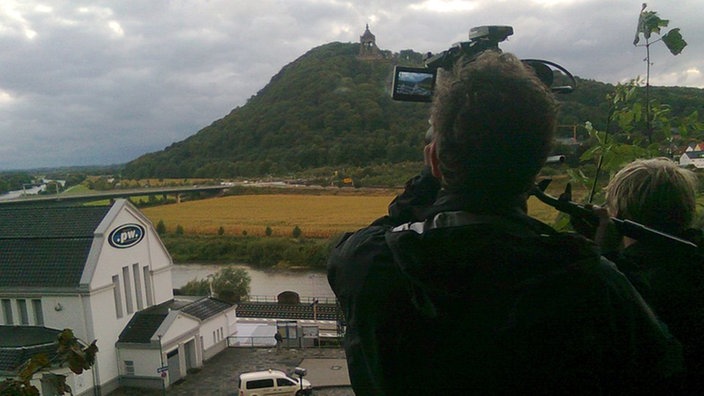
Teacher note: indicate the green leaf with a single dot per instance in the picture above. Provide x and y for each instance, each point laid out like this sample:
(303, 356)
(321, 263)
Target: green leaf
(648, 23)
(674, 41)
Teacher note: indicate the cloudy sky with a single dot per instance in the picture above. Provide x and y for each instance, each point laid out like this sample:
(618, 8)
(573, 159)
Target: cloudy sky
(85, 82)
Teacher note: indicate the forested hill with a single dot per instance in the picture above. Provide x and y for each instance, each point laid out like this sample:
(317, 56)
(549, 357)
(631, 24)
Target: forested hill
(330, 109)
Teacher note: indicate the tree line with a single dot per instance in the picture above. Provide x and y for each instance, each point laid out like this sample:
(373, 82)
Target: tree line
(329, 109)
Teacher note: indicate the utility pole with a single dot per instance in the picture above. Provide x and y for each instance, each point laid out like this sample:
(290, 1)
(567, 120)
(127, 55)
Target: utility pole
(161, 359)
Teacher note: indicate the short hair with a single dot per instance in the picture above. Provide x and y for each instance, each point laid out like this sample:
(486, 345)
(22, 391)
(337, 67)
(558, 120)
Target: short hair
(493, 123)
(654, 192)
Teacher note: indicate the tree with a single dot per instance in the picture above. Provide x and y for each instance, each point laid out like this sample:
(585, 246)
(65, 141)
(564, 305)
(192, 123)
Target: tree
(196, 287)
(69, 352)
(231, 284)
(649, 23)
(161, 227)
(626, 116)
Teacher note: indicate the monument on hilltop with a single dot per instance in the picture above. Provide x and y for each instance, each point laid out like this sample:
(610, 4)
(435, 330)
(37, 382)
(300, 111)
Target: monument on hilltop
(367, 47)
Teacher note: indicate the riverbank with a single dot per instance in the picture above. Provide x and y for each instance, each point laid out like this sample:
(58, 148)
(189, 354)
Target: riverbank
(266, 283)
(259, 252)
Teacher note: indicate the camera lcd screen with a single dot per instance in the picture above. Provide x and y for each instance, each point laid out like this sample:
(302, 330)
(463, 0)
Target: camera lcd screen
(413, 84)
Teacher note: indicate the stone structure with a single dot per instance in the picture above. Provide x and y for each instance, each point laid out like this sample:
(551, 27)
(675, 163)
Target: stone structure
(367, 46)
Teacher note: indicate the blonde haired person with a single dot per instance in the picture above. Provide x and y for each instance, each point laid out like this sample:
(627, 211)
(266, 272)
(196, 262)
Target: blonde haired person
(659, 194)
(656, 193)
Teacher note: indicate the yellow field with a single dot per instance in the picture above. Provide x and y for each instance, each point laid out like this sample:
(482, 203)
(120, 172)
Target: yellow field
(318, 216)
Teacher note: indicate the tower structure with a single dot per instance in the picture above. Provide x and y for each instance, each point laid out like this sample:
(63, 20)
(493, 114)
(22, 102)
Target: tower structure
(367, 47)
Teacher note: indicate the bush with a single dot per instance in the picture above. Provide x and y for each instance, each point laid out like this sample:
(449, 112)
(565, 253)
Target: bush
(258, 252)
(196, 287)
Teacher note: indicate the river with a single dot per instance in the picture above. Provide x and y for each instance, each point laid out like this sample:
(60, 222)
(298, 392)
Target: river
(265, 283)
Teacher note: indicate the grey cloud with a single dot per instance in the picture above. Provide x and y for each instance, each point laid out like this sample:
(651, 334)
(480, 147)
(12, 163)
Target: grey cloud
(104, 81)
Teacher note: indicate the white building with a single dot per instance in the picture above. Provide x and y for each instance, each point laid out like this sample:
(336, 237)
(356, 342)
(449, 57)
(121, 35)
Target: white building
(693, 156)
(96, 269)
(179, 334)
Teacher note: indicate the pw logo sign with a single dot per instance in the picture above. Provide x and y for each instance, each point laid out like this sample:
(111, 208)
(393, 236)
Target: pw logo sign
(126, 235)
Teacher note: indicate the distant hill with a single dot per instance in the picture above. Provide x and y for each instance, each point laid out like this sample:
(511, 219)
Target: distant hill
(330, 109)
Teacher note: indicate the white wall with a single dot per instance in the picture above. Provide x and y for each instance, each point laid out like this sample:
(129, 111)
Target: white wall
(107, 329)
(58, 312)
(149, 252)
(146, 361)
(65, 312)
(136, 291)
(215, 331)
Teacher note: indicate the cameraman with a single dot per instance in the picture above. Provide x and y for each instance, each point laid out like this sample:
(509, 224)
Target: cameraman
(458, 291)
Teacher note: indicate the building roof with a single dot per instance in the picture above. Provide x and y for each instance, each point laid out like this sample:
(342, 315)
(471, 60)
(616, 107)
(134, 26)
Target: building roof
(367, 35)
(46, 246)
(43, 262)
(206, 308)
(20, 343)
(145, 323)
(694, 154)
(50, 222)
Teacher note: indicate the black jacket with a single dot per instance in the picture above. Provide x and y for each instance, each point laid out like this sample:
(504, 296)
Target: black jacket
(671, 281)
(489, 303)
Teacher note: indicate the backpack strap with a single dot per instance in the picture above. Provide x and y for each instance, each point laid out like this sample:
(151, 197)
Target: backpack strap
(515, 224)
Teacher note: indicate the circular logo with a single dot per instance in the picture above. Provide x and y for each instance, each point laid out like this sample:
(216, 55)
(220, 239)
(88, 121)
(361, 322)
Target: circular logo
(126, 235)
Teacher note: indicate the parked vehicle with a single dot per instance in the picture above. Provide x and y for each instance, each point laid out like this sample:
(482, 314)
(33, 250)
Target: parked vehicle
(273, 382)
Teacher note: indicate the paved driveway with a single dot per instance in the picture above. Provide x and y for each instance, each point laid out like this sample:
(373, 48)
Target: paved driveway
(327, 371)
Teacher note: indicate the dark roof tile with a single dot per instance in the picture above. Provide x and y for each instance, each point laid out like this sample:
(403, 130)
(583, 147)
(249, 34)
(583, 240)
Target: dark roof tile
(206, 308)
(51, 221)
(143, 325)
(43, 262)
(46, 246)
(20, 343)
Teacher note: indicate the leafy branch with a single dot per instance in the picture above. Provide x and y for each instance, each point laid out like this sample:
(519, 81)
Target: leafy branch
(650, 23)
(69, 353)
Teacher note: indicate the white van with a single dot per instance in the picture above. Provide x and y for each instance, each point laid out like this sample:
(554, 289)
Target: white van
(272, 382)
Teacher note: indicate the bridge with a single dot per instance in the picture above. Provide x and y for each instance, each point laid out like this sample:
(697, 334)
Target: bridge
(111, 195)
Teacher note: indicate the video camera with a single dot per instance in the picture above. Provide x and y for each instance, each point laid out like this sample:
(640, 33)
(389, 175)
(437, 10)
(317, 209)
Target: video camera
(414, 84)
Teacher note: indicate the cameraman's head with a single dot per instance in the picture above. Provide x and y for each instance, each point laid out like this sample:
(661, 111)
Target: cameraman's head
(493, 123)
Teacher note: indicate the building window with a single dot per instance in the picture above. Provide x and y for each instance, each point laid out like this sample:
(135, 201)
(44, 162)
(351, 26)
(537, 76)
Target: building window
(129, 367)
(117, 295)
(7, 311)
(128, 289)
(24, 313)
(138, 286)
(148, 286)
(38, 312)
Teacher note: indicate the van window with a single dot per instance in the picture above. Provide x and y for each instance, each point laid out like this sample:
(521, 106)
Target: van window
(262, 383)
(284, 382)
